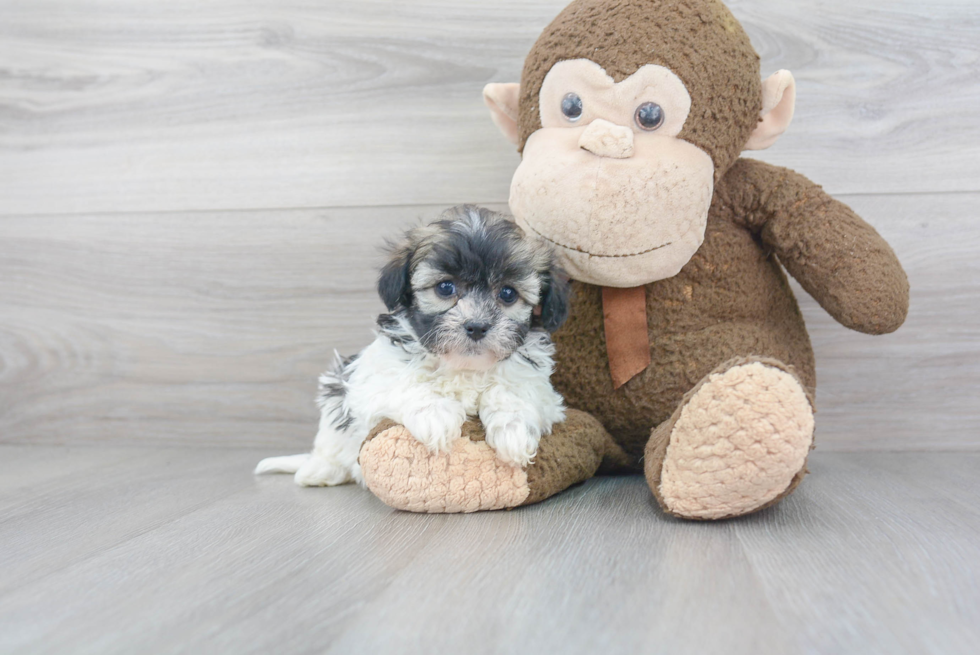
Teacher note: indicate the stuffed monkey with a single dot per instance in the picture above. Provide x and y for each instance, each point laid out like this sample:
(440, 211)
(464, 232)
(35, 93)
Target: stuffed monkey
(685, 355)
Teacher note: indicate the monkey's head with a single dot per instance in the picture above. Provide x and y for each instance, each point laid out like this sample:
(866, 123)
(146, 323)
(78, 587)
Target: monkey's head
(627, 114)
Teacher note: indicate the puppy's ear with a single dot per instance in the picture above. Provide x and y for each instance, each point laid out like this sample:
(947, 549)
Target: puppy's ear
(395, 283)
(554, 299)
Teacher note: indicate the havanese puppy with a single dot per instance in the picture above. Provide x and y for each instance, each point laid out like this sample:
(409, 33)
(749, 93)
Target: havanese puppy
(471, 303)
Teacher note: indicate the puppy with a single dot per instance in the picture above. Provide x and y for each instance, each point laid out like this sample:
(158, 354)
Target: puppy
(471, 303)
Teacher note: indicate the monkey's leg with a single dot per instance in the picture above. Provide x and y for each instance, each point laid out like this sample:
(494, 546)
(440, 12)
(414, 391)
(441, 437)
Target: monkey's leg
(469, 478)
(737, 443)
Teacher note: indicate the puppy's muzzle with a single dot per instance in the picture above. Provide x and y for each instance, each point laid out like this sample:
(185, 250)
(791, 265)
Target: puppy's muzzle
(476, 330)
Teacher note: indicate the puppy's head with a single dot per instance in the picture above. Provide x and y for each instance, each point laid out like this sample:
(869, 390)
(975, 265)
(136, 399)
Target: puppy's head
(472, 285)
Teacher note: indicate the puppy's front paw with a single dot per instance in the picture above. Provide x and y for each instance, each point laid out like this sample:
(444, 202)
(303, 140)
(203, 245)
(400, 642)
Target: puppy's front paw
(320, 471)
(512, 439)
(437, 424)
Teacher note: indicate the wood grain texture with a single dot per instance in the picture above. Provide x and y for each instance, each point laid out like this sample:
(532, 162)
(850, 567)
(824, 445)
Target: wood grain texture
(876, 552)
(209, 329)
(110, 106)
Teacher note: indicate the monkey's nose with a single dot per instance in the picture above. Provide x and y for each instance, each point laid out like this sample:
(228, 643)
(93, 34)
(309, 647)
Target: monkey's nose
(476, 330)
(607, 139)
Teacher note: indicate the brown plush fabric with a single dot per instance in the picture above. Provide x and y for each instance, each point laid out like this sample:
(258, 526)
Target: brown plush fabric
(574, 452)
(627, 342)
(838, 258)
(623, 35)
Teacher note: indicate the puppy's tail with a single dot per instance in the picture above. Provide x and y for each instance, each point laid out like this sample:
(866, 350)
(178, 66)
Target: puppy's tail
(286, 464)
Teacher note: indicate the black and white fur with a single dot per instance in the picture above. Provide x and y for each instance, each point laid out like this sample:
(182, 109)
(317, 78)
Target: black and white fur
(439, 358)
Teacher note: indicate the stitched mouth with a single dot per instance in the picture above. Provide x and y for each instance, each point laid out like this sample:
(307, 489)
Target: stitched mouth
(586, 252)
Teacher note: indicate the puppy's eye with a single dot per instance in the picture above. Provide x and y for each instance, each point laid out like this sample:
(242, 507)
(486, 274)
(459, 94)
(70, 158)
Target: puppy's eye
(571, 107)
(649, 116)
(507, 295)
(446, 288)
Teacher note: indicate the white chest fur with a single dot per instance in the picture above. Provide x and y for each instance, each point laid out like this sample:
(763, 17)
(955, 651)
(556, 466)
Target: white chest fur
(464, 386)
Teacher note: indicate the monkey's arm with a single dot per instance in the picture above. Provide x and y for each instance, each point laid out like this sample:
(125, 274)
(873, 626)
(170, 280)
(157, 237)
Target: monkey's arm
(838, 258)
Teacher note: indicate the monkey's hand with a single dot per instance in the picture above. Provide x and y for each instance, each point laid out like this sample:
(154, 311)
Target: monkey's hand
(837, 257)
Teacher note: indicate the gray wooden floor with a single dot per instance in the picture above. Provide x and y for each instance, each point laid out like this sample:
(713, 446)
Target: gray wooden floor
(124, 550)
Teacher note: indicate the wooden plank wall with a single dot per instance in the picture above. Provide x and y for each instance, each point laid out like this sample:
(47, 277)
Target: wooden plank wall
(192, 195)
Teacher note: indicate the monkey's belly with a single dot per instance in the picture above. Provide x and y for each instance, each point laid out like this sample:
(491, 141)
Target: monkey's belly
(717, 308)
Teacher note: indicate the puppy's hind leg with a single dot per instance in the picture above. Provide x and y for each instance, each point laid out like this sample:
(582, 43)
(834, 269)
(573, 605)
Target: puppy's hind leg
(338, 441)
(335, 450)
(332, 462)
(322, 471)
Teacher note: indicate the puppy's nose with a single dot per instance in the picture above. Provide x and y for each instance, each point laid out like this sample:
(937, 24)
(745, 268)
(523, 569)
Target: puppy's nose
(476, 330)
(607, 139)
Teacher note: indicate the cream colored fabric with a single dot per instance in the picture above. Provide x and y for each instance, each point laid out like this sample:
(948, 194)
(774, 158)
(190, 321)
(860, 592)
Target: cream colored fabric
(738, 443)
(606, 139)
(405, 475)
(778, 107)
(625, 206)
(502, 100)
(616, 222)
(603, 98)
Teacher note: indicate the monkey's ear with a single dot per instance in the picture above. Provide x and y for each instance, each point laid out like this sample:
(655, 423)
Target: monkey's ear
(554, 300)
(395, 283)
(778, 105)
(502, 100)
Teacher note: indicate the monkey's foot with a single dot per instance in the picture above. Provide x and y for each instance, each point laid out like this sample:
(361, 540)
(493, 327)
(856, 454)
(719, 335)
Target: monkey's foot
(405, 475)
(738, 442)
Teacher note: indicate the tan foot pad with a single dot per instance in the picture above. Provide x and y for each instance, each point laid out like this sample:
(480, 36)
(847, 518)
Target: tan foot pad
(469, 478)
(738, 443)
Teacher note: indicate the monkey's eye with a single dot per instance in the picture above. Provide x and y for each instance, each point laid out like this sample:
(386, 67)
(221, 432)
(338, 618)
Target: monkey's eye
(508, 295)
(446, 288)
(649, 116)
(571, 107)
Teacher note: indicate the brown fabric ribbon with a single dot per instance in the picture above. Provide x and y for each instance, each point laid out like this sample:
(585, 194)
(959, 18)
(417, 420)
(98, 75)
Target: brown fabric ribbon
(624, 312)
